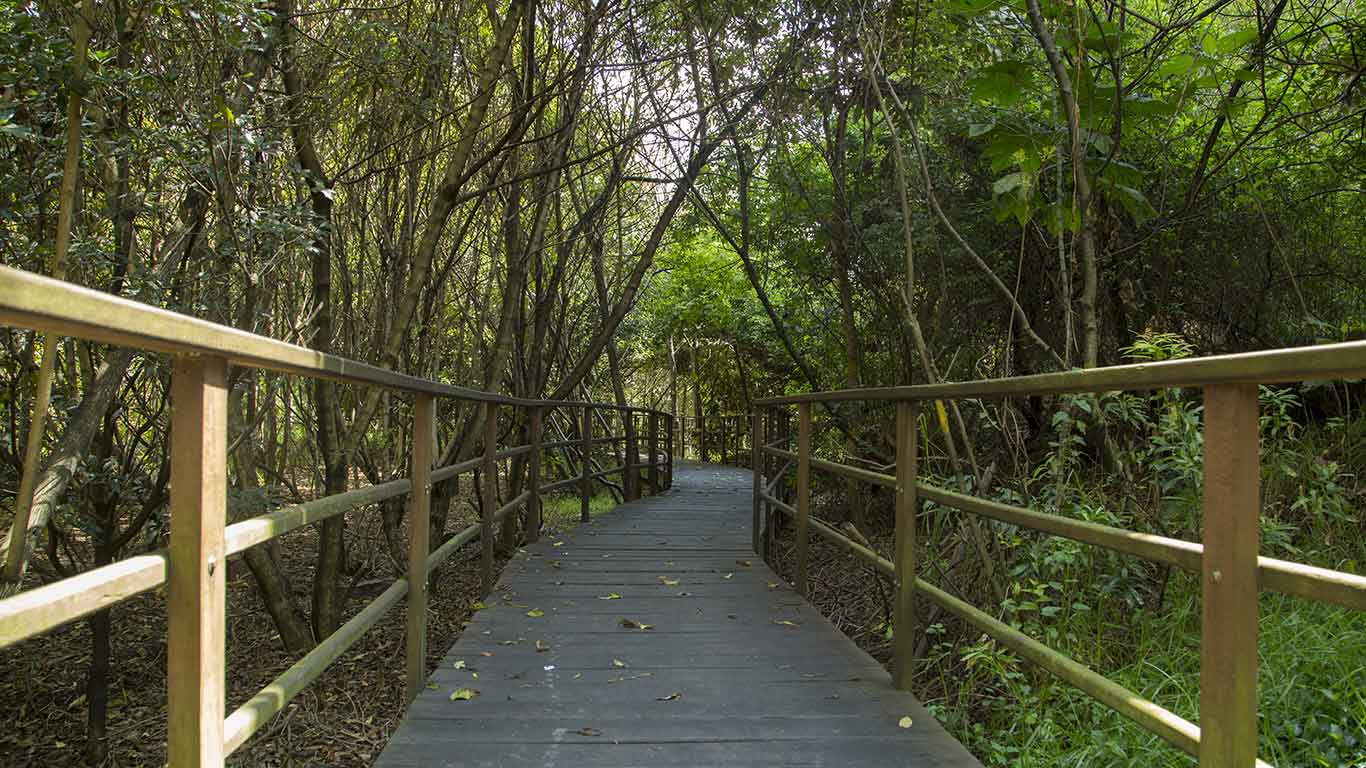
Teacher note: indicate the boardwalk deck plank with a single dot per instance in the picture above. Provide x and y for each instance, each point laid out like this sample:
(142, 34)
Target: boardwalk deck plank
(736, 670)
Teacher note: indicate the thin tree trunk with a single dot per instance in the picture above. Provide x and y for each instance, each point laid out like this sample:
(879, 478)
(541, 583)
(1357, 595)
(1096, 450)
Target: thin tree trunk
(16, 557)
(1086, 239)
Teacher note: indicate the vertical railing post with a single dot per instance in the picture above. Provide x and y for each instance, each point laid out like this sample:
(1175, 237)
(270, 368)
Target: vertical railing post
(907, 504)
(419, 532)
(669, 478)
(770, 476)
(724, 422)
(533, 476)
(757, 469)
(682, 436)
(196, 602)
(803, 492)
(702, 438)
(1228, 643)
(490, 494)
(653, 447)
(631, 474)
(585, 478)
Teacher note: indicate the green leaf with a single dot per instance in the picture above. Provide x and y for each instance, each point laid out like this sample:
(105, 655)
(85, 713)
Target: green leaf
(1003, 83)
(1135, 202)
(1179, 65)
(463, 694)
(977, 129)
(1235, 40)
(1007, 183)
(535, 613)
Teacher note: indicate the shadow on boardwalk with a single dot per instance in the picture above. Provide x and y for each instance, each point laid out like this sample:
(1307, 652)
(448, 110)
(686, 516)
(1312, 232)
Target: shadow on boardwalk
(654, 637)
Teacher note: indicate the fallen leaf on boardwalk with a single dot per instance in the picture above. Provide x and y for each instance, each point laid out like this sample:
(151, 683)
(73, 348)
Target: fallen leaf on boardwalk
(773, 585)
(585, 731)
(460, 664)
(786, 623)
(633, 624)
(744, 563)
(685, 594)
(558, 544)
(478, 605)
(432, 686)
(510, 642)
(486, 654)
(541, 646)
(675, 696)
(618, 663)
(577, 675)
(610, 596)
(554, 563)
(630, 677)
(474, 674)
(727, 576)
(668, 582)
(463, 694)
(535, 613)
(904, 722)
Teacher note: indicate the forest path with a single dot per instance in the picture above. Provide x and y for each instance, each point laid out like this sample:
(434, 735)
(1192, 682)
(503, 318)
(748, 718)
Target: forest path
(734, 669)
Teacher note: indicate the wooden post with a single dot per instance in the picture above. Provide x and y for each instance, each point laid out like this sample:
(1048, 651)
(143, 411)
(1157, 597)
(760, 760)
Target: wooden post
(586, 445)
(803, 492)
(533, 476)
(490, 497)
(756, 468)
(653, 448)
(195, 596)
(669, 478)
(419, 532)
(770, 470)
(724, 437)
(1228, 643)
(631, 474)
(702, 439)
(682, 436)
(907, 504)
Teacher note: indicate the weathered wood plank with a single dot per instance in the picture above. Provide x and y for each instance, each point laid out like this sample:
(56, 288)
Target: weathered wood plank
(419, 533)
(195, 590)
(1228, 638)
(736, 668)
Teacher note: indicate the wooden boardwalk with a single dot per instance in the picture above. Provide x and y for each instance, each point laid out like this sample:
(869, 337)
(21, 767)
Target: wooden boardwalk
(735, 668)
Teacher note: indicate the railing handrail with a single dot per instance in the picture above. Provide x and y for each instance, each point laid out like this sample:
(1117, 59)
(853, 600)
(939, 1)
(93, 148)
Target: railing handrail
(1276, 366)
(42, 303)
(201, 538)
(1231, 569)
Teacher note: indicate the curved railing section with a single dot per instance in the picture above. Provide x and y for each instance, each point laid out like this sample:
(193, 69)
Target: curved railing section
(1231, 569)
(192, 566)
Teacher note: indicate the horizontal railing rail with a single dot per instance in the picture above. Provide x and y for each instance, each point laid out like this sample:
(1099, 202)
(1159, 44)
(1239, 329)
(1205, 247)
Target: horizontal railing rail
(1232, 570)
(201, 540)
(1344, 360)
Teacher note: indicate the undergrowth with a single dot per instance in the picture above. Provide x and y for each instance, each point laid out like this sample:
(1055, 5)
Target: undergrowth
(1133, 461)
(1139, 623)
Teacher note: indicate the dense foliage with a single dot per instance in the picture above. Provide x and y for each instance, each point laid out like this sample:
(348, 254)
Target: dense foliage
(693, 205)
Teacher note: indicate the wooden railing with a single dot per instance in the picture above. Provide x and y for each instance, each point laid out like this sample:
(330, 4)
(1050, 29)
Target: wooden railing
(1232, 571)
(721, 437)
(193, 566)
